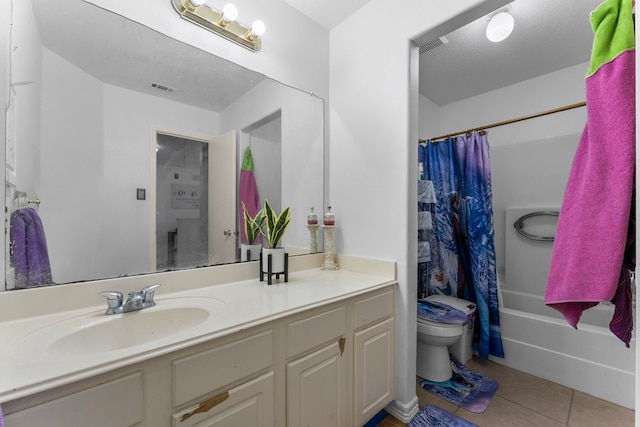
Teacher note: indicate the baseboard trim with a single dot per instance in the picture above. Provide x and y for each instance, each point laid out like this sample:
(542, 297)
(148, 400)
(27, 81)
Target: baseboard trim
(404, 412)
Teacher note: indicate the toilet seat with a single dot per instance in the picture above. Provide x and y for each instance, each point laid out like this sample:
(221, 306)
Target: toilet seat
(438, 329)
(432, 322)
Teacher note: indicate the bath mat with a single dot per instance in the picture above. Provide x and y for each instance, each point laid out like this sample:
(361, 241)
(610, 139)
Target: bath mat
(466, 388)
(432, 416)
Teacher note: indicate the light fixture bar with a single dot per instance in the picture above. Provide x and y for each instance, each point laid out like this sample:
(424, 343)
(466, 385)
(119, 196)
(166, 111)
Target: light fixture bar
(211, 19)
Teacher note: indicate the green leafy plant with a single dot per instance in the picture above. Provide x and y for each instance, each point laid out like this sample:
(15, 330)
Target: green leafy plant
(276, 224)
(252, 226)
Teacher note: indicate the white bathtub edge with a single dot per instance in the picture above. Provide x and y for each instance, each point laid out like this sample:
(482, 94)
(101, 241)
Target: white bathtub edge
(597, 379)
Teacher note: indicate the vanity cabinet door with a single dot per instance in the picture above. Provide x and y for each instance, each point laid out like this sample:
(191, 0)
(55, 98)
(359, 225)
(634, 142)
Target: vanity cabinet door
(374, 366)
(116, 403)
(317, 388)
(247, 405)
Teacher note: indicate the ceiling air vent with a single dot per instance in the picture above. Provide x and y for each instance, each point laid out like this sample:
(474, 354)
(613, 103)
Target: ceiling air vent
(162, 87)
(433, 44)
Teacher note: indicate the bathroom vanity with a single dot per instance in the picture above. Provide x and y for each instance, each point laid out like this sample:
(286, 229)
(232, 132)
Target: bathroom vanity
(318, 350)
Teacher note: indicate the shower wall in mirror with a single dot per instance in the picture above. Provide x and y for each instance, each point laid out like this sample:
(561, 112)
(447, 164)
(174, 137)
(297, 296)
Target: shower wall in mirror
(91, 92)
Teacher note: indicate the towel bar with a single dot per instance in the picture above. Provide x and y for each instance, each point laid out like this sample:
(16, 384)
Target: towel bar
(519, 225)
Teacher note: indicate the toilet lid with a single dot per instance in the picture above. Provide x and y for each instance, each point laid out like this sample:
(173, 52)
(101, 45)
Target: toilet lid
(435, 311)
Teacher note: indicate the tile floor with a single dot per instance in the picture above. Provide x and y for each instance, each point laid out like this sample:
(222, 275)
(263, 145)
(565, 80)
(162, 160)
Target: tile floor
(523, 400)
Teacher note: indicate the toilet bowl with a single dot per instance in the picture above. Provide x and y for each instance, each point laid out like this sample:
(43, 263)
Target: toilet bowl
(435, 337)
(433, 352)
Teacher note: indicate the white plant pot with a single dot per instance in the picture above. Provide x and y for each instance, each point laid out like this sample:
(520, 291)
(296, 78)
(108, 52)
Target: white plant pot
(277, 260)
(250, 252)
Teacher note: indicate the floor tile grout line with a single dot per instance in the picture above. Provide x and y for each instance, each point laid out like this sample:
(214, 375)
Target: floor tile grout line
(537, 411)
(573, 396)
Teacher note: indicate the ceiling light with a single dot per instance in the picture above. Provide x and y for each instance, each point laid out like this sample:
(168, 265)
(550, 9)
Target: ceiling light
(500, 26)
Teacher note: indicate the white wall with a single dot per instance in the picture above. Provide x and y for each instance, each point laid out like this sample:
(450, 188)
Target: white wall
(112, 132)
(373, 160)
(5, 20)
(301, 148)
(26, 72)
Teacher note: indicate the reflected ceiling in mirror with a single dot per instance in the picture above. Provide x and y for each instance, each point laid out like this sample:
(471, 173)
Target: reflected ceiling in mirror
(90, 93)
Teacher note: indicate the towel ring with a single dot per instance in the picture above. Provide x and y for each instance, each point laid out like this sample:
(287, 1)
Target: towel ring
(519, 225)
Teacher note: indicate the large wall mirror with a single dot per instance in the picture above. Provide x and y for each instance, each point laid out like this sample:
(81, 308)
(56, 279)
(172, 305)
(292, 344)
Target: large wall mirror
(132, 143)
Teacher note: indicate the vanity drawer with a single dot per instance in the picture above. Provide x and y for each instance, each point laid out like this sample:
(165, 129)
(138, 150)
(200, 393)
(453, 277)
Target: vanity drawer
(202, 373)
(305, 334)
(373, 308)
(247, 405)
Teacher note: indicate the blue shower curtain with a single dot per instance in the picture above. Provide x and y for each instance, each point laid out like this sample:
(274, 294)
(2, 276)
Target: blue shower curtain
(462, 259)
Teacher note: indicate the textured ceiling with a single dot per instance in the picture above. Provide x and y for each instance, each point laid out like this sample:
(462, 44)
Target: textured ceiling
(120, 52)
(549, 35)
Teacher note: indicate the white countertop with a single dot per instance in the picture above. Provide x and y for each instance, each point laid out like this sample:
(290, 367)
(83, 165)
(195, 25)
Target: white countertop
(27, 369)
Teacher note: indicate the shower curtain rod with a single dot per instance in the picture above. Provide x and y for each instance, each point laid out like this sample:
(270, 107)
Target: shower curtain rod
(506, 122)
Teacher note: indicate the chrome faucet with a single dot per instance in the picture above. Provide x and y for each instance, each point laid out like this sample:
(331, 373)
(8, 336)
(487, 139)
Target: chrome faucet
(136, 301)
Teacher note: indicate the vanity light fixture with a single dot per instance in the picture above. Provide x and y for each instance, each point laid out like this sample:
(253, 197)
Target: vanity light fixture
(500, 26)
(222, 23)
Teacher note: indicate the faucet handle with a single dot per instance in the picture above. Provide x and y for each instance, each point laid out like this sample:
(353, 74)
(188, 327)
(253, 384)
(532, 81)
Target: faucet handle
(149, 292)
(114, 300)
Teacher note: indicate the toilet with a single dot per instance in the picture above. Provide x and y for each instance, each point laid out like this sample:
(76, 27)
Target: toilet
(436, 339)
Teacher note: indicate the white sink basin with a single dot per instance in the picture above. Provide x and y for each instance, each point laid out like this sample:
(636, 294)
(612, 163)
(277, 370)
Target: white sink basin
(100, 333)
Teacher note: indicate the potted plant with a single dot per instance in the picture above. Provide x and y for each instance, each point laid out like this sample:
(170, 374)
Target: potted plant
(250, 251)
(276, 226)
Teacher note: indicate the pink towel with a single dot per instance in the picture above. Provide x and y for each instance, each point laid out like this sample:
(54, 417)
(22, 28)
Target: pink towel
(248, 189)
(592, 228)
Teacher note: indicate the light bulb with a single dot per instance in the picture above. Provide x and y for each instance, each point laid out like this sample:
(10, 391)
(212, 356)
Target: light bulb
(500, 27)
(196, 3)
(257, 28)
(229, 13)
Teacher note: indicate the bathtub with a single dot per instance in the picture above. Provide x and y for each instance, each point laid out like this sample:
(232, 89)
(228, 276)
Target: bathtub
(538, 340)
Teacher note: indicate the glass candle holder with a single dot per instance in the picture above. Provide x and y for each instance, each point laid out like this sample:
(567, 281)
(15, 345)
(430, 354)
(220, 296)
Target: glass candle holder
(329, 218)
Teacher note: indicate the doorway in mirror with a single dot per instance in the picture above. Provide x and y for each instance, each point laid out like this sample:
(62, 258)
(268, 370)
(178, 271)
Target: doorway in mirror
(190, 229)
